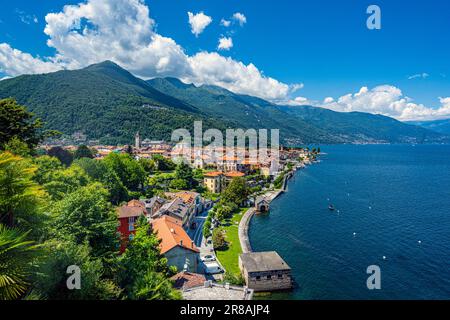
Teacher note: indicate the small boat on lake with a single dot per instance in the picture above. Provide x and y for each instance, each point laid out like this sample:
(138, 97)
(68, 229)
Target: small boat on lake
(331, 207)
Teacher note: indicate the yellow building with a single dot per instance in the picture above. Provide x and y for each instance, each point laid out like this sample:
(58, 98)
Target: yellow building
(216, 181)
(213, 181)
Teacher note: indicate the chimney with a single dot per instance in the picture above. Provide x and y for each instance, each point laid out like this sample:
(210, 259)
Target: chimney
(192, 244)
(181, 242)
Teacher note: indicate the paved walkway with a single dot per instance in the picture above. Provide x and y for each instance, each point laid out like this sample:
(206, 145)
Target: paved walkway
(243, 230)
(245, 222)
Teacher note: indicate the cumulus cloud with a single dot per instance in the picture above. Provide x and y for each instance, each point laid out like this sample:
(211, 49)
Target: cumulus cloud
(389, 101)
(240, 18)
(225, 23)
(123, 31)
(14, 62)
(212, 68)
(198, 22)
(225, 43)
(423, 75)
(299, 101)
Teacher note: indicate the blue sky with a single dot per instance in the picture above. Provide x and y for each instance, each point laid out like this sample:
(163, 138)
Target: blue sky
(323, 45)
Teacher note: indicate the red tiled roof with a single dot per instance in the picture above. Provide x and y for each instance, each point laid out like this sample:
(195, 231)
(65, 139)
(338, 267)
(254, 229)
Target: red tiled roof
(172, 234)
(234, 174)
(127, 212)
(213, 174)
(134, 208)
(188, 280)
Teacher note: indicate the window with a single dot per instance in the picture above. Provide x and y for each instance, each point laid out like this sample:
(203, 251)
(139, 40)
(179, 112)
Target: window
(280, 276)
(131, 227)
(269, 277)
(258, 278)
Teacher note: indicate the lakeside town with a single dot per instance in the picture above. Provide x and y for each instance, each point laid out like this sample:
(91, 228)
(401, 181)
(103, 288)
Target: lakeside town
(201, 210)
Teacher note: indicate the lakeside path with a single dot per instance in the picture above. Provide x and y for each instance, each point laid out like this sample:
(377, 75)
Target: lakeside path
(245, 221)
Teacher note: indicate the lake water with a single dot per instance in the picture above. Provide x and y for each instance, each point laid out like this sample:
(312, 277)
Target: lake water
(391, 202)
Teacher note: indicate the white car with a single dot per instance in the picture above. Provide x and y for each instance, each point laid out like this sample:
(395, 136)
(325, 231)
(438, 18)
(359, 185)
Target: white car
(208, 258)
(212, 268)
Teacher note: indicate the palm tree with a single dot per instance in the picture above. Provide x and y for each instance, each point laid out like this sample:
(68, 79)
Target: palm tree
(16, 253)
(18, 192)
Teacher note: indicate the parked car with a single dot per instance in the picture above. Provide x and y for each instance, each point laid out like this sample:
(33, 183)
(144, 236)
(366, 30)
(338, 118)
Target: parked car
(208, 258)
(213, 268)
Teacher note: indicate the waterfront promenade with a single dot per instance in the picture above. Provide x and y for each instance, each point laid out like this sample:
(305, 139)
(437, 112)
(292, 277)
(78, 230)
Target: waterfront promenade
(245, 222)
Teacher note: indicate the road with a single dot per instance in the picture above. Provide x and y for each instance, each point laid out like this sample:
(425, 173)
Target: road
(197, 234)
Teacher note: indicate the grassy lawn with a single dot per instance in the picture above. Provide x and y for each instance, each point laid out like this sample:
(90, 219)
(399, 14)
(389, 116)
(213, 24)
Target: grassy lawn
(229, 257)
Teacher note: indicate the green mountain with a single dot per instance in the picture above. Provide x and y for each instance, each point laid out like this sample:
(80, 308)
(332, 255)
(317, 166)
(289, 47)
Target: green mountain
(299, 124)
(107, 102)
(104, 101)
(440, 126)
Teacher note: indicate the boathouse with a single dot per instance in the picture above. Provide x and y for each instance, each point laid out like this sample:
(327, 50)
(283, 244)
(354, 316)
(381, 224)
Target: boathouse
(265, 271)
(262, 205)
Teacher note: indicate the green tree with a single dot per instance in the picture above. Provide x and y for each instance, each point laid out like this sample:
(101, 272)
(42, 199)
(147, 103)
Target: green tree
(83, 152)
(17, 147)
(236, 192)
(98, 171)
(62, 182)
(149, 165)
(16, 255)
(154, 286)
(20, 195)
(163, 164)
(179, 184)
(46, 166)
(184, 172)
(65, 156)
(95, 169)
(49, 279)
(143, 267)
(87, 215)
(17, 122)
(219, 241)
(130, 171)
(206, 229)
(225, 211)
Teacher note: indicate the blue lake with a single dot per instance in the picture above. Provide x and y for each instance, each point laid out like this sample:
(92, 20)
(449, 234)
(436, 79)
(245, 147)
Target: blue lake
(391, 201)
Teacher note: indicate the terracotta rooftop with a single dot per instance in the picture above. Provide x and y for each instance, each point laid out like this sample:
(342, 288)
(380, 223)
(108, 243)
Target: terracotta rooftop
(213, 174)
(234, 174)
(127, 212)
(172, 234)
(187, 280)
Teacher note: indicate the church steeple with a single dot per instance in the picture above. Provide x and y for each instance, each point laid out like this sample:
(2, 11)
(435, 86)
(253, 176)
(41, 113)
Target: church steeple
(137, 140)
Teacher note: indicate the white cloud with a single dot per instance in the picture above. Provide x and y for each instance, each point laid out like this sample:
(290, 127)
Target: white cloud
(14, 62)
(225, 43)
(198, 22)
(419, 75)
(212, 68)
(122, 31)
(240, 18)
(389, 101)
(225, 23)
(299, 101)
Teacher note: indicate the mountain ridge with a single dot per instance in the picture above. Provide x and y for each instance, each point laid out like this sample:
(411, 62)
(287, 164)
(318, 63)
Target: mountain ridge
(109, 103)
